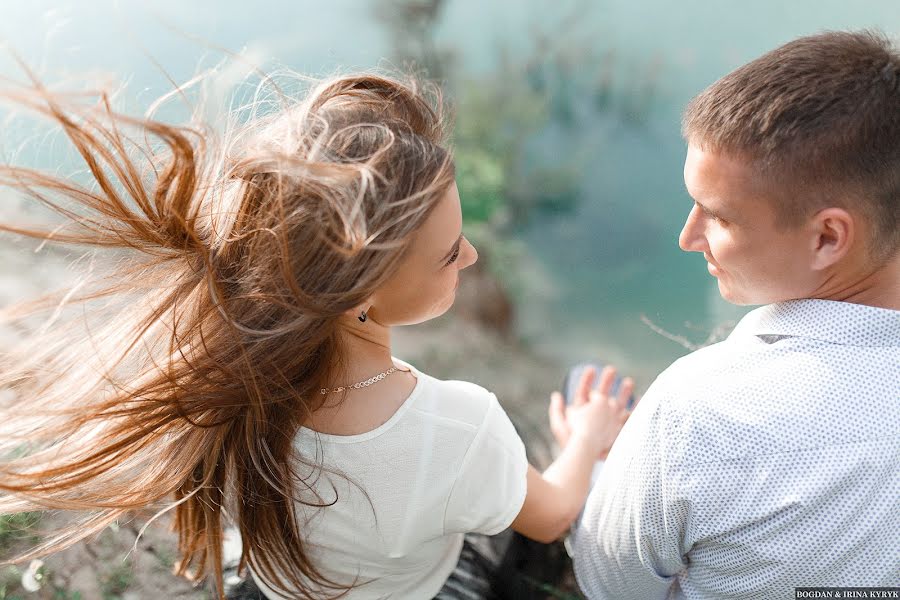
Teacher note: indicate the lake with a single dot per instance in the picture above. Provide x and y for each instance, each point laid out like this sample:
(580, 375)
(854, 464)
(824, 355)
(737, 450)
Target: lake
(596, 276)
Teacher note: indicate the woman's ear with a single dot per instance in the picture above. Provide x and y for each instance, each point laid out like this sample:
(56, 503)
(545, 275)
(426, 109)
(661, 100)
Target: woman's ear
(834, 232)
(359, 311)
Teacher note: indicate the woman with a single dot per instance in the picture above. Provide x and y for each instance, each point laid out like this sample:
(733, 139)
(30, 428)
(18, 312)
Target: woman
(237, 366)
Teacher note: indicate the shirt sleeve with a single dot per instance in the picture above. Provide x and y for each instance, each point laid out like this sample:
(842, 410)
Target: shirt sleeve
(629, 542)
(491, 483)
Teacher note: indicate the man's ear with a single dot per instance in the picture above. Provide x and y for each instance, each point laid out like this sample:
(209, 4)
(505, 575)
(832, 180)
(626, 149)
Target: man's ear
(834, 231)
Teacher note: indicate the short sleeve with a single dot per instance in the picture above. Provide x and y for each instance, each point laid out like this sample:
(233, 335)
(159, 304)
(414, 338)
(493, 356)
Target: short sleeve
(491, 483)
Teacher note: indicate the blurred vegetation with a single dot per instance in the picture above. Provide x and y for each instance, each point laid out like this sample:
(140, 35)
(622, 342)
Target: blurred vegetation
(562, 80)
(18, 528)
(116, 581)
(526, 128)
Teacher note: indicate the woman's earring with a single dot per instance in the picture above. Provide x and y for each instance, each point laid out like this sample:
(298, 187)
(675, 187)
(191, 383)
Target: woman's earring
(362, 317)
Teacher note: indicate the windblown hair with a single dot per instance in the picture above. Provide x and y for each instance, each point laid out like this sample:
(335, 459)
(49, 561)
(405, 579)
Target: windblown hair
(179, 378)
(819, 118)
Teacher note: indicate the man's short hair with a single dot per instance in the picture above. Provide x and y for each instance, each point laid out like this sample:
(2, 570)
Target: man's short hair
(819, 117)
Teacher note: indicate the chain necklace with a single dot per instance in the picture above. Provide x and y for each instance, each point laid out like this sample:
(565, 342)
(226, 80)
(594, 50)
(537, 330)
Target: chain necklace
(359, 384)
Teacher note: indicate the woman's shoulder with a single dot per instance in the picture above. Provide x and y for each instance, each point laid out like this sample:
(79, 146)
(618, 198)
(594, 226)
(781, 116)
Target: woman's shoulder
(463, 402)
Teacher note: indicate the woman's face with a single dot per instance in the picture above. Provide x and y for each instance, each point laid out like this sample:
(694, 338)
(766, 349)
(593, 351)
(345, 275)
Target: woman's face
(424, 286)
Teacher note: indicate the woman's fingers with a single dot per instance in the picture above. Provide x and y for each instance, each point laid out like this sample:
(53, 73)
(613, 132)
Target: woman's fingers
(584, 386)
(559, 426)
(607, 377)
(626, 389)
(634, 402)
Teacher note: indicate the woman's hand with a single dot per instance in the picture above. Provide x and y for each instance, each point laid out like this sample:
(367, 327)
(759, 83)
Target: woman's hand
(594, 417)
(585, 430)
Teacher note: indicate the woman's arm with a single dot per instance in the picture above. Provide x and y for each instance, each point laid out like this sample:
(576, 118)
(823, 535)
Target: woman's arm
(585, 430)
(554, 498)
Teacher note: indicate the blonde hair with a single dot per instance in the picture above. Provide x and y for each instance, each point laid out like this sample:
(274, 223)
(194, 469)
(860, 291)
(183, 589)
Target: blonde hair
(205, 343)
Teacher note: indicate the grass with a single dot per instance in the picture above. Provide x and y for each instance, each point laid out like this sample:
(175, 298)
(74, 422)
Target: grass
(18, 528)
(15, 529)
(9, 584)
(116, 581)
(11, 587)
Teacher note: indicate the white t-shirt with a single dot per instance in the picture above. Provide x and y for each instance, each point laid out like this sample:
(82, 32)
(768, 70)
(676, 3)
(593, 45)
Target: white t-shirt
(448, 462)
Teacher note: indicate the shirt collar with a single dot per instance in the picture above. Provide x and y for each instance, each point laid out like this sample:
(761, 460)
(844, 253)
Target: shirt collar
(827, 320)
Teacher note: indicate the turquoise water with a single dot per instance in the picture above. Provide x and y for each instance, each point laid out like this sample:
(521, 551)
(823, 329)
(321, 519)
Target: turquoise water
(617, 258)
(591, 274)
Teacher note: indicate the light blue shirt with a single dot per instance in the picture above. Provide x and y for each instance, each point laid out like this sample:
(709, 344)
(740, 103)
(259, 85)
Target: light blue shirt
(763, 463)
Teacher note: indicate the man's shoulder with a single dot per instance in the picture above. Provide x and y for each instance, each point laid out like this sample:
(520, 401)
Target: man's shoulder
(708, 407)
(749, 396)
(718, 361)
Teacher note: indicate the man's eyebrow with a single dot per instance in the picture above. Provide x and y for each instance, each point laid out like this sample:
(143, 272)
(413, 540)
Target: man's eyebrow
(707, 210)
(453, 249)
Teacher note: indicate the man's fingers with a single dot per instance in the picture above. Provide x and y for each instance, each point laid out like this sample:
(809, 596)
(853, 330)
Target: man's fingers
(584, 386)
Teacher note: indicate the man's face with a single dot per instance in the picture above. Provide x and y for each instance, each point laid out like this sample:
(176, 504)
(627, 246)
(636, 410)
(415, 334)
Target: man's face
(733, 223)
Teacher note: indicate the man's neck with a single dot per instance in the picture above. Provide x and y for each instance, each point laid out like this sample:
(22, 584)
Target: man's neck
(879, 287)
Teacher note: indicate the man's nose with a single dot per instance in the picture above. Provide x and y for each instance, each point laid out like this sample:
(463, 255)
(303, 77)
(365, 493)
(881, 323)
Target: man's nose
(691, 238)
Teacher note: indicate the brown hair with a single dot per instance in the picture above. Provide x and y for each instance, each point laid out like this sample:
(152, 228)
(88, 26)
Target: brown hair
(819, 117)
(204, 346)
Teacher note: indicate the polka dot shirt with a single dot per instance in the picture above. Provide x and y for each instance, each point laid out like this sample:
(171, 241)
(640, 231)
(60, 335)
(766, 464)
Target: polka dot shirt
(763, 463)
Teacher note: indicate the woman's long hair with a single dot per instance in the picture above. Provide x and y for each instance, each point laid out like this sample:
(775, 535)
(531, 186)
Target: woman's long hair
(179, 376)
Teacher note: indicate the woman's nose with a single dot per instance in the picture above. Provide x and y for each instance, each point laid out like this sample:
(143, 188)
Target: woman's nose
(469, 254)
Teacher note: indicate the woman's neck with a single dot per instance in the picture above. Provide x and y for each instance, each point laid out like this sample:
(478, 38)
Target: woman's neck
(367, 348)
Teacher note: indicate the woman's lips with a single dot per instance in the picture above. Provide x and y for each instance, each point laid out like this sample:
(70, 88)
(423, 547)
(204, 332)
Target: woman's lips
(711, 266)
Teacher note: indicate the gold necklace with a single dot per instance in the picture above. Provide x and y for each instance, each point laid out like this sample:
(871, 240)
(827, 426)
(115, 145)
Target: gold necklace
(359, 384)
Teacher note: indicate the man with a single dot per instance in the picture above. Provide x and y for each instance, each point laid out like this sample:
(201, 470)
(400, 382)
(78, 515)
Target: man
(771, 461)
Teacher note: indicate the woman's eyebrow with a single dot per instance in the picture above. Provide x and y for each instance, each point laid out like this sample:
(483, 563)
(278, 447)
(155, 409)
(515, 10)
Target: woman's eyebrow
(453, 249)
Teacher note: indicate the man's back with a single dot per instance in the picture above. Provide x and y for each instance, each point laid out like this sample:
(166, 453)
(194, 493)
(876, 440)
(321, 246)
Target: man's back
(764, 463)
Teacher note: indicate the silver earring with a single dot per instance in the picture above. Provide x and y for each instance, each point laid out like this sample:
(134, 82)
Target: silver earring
(362, 317)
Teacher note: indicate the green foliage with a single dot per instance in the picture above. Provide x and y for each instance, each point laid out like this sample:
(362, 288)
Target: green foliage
(9, 584)
(116, 581)
(495, 119)
(18, 527)
(497, 115)
(166, 557)
(64, 594)
(482, 184)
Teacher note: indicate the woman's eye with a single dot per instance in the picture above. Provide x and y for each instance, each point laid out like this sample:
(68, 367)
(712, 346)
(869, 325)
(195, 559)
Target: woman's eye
(453, 257)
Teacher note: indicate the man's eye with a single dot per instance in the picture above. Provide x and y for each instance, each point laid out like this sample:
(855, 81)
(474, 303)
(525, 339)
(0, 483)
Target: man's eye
(453, 257)
(712, 215)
